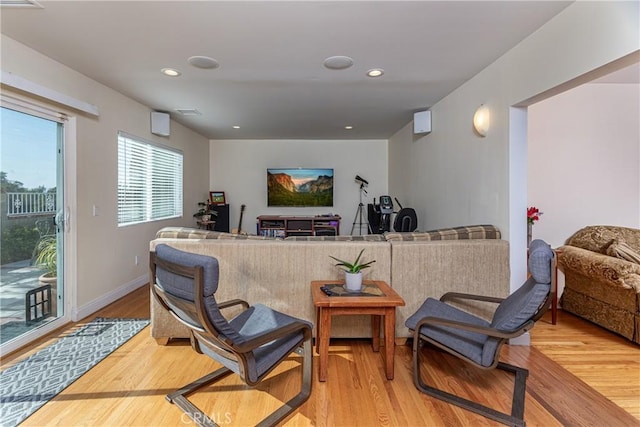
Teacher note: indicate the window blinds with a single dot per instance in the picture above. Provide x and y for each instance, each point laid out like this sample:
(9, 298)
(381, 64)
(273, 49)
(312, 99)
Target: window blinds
(149, 181)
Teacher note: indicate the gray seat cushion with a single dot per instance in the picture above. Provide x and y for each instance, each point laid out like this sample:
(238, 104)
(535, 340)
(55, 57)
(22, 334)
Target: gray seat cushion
(540, 256)
(254, 322)
(470, 344)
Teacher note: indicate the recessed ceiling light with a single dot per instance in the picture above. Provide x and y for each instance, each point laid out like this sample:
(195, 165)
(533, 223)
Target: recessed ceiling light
(375, 72)
(171, 72)
(348, 127)
(203, 62)
(235, 127)
(338, 62)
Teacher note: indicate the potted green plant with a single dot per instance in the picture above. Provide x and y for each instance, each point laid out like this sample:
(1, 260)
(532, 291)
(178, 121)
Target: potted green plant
(353, 272)
(205, 212)
(47, 257)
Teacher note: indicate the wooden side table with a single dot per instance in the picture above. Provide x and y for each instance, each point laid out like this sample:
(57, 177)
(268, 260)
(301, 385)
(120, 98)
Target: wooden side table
(379, 307)
(554, 287)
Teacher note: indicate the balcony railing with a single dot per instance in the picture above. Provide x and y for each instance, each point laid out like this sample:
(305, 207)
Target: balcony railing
(28, 204)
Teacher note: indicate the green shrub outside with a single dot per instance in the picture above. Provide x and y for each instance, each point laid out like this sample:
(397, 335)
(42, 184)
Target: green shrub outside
(18, 243)
(19, 234)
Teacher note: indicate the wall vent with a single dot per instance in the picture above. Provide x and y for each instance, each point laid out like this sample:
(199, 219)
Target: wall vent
(188, 111)
(20, 3)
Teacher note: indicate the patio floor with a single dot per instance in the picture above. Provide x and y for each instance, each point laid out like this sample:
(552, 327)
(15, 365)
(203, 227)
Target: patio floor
(16, 279)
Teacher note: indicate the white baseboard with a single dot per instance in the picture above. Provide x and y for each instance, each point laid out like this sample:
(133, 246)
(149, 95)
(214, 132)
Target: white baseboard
(105, 300)
(524, 339)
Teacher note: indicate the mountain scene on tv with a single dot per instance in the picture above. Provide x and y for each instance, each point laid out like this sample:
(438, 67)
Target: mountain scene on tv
(300, 187)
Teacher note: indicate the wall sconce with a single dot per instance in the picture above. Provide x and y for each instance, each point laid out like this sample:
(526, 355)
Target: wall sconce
(482, 120)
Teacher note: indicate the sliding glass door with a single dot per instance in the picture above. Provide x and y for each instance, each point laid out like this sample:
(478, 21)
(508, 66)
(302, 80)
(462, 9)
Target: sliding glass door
(31, 221)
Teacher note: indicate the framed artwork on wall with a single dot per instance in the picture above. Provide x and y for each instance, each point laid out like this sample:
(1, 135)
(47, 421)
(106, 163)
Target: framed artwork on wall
(300, 187)
(217, 198)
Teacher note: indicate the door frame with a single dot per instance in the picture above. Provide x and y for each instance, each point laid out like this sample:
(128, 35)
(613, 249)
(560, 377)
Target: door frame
(27, 105)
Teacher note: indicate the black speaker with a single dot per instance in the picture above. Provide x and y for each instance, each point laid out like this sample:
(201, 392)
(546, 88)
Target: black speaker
(160, 123)
(222, 220)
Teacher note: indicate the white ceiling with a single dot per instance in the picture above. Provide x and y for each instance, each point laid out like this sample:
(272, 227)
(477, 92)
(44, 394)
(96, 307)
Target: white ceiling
(271, 79)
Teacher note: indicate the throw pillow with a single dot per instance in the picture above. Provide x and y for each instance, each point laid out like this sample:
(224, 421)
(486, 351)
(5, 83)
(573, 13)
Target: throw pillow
(619, 249)
(594, 238)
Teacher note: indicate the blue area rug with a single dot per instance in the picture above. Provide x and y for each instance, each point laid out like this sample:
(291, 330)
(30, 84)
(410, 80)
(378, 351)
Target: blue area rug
(30, 383)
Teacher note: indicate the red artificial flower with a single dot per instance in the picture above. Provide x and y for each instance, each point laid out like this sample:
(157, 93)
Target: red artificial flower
(533, 214)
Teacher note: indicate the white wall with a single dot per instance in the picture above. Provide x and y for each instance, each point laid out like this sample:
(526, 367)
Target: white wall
(103, 253)
(239, 167)
(400, 184)
(460, 178)
(584, 160)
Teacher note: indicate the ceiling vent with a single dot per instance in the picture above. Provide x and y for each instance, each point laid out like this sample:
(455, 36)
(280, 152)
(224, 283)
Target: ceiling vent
(20, 3)
(188, 111)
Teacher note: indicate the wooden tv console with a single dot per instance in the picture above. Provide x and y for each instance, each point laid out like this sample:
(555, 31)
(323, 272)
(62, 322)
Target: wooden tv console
(284, 226)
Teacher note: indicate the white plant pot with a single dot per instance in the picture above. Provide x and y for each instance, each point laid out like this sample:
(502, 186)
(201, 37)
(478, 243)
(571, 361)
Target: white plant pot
(353, 281)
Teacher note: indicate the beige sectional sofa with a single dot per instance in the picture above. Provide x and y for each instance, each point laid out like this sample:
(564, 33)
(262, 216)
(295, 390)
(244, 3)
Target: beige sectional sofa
(278, 272)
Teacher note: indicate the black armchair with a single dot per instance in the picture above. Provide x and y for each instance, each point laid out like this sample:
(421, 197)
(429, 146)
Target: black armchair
(478, 341)
(251, 344)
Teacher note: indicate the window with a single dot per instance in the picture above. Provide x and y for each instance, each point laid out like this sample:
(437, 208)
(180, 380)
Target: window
(149, 181)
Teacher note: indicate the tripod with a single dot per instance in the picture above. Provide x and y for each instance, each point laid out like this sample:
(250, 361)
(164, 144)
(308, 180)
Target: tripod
(359, 214)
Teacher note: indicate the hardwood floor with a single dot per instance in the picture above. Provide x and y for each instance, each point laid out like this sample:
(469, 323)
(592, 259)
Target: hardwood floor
(605, 361)
(579, 375)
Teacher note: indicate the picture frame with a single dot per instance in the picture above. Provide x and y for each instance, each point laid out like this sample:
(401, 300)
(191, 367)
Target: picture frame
(217, 198)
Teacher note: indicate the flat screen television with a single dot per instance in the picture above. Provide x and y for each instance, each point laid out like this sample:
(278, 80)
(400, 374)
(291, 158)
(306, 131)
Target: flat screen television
(300, 187)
